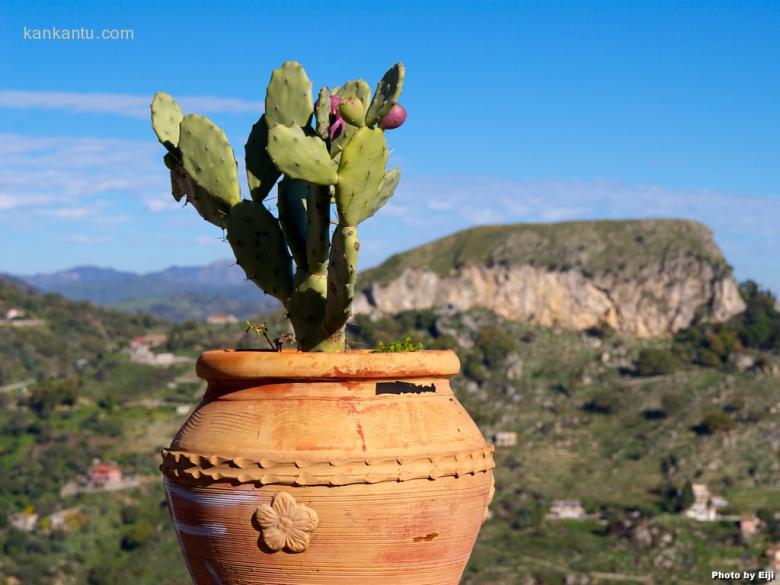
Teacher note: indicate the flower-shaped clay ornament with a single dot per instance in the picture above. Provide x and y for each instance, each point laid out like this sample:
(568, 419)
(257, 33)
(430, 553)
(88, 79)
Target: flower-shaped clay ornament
(286, 524)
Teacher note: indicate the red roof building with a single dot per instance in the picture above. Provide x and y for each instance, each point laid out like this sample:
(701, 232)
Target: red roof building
(102, 474)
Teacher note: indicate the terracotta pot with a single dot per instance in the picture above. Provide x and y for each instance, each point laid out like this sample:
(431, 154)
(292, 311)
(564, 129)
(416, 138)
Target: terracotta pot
(313, 468)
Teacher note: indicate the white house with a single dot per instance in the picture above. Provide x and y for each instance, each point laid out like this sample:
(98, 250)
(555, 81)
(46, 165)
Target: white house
(566, 509)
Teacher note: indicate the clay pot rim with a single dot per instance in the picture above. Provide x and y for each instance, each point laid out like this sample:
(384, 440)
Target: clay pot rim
(291, 364)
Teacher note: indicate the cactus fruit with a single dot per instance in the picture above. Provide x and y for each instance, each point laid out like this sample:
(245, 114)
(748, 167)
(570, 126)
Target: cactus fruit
(261, 173)
(361, 171)
(340, 160)
(359, 89)
(288, 100)
(208, 158)
(388, 90)
(300, 156)
(394, 118)
(353, 111)
(258, 243)
(166, 117)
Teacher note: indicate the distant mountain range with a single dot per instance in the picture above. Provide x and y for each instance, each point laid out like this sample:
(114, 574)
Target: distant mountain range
(178, 293)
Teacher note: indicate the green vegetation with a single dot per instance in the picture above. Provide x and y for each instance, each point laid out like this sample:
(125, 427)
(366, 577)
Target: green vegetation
(757, 328)
(655, 361)
(67, 333)
(402, 345)
(611, 421)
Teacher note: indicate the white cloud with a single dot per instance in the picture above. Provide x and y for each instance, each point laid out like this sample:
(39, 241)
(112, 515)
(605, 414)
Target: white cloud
(70, 213)
(162, 203)
(439, 204)
(86, 240)
(9, 202)
(78, 179)
(133, 106)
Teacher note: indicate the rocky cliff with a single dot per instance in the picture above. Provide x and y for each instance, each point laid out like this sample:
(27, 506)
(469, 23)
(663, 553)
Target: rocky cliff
(645, 278)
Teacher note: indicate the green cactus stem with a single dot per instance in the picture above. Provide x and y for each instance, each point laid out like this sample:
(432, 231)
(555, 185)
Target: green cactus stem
(166, 117)
(357, 88)
(361, 171)
(208, 159)
(388, 90)
(288, 98)
(300, 156)
(384, 193)
(342, 275)
(322, 113)
(353, 111)
(261, 173)
(259, 246)
(291, 204)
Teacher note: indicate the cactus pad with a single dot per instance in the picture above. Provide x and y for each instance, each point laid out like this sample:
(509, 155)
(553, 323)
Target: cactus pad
(388, 90)
(288, 98)
(322, 113)
(361, 171)
(300, 156)
(208, 158)
(261, 173)
(342, 275)
(209, 208)
(166, 117)
(291, 204)
(353, 111)
(258, 243)
(385, 191)
(180, 183)
(359, 89)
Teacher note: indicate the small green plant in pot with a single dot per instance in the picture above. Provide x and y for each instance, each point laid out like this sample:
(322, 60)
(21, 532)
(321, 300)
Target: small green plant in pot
(354, 466)
(331, 151)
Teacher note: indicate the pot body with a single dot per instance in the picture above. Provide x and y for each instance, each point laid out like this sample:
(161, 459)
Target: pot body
(306, 469)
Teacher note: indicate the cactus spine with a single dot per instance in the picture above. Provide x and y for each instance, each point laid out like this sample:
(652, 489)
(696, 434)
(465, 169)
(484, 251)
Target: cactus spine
(341, 159)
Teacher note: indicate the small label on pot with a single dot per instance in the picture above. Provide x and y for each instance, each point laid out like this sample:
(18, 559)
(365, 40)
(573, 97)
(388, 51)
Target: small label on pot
(404, 388)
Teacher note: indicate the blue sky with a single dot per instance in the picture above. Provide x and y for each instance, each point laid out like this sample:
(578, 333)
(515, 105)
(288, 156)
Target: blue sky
(518, 112)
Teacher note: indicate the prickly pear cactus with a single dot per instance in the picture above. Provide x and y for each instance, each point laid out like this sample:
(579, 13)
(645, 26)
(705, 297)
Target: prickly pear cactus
(341, 159)
(166, 117)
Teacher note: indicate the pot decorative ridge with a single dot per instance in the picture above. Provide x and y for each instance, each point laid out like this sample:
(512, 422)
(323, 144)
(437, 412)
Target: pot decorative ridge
(362, 476)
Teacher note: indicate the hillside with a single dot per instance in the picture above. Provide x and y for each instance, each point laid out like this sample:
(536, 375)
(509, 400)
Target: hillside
(623, 425)
(620, 424)
(646, 278)
(54, 333)
(175, 294)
